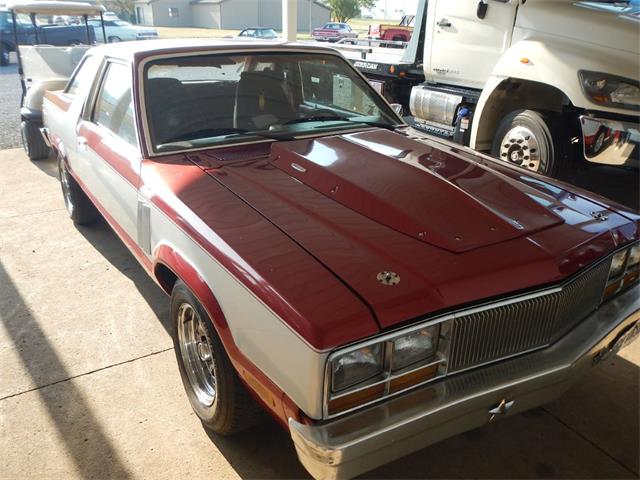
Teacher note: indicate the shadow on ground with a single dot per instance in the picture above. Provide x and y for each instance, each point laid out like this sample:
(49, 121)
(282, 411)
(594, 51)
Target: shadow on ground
(96, 458)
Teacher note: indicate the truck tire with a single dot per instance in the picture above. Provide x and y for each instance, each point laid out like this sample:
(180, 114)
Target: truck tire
(32, 141)
(532, 140)
(4, 55)
(80, 208)
(213, 387)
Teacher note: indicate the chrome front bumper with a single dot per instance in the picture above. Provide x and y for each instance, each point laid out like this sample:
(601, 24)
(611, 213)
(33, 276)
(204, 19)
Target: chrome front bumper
(611, 142)
(346, 447)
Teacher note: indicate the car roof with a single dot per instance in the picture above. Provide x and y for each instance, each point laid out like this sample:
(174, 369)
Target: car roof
(144, 48)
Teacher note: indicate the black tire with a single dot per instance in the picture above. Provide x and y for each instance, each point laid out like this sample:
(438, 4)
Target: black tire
(114, 39)
(4, 55)
(548, 138)
(232, 409)
(32, 141)
(81, 210)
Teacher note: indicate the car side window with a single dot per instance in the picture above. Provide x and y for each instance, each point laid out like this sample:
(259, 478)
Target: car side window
(114, 106)
(83, 73)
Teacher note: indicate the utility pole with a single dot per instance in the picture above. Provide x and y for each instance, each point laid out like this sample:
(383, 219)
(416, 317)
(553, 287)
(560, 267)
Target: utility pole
(290, 20)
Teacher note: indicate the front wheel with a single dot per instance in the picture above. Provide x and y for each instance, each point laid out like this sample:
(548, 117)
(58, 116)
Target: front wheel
(214, 390)
(32, 141)
(114, 39)
(531, 140)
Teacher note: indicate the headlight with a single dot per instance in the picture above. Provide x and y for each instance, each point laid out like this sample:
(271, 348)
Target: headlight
(634, 255)
(624, 270)
(610, 91)
(395, 362)
(618, 262)
(356, 367)
(415, 347)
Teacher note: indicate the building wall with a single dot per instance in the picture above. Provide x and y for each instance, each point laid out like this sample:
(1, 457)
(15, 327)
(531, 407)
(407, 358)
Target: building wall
(206, 15)
(239, 14)
(161, 17)
(144, 14)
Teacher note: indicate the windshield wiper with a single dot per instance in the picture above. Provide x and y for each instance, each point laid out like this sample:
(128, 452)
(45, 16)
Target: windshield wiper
(195, 136)
(333, 118)
(318, 118)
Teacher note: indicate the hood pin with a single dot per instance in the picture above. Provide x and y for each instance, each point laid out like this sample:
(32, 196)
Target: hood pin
(388, 278)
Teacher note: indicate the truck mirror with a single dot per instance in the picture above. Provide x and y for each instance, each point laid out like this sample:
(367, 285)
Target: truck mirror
(482, 9)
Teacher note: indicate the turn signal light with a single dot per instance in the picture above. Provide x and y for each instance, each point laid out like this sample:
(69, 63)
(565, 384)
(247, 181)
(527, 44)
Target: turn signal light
(351, 400)
(413, 378)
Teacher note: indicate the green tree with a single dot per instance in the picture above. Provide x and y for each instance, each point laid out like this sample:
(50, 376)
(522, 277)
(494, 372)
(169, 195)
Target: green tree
(345, 10)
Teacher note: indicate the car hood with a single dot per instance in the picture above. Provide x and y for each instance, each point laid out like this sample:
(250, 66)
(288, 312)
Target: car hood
(452, 229)
(590, 22)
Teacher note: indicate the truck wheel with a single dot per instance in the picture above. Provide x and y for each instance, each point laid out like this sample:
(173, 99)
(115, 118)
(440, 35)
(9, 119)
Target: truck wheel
(32, 141)
(4, 55)
(114, 39)
(214, 390)
(78, 205)
(531, 140)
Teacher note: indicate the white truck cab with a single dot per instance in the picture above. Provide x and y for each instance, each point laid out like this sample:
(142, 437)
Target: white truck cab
(527, 80)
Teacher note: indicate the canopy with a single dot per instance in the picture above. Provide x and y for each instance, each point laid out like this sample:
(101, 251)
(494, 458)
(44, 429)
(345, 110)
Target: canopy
(55, 8)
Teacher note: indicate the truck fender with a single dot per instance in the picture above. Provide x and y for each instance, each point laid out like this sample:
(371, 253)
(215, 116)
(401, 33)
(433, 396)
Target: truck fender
(169, 265)
(554, 70)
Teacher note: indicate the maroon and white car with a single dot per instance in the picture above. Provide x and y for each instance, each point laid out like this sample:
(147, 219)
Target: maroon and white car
(373, 290)
(334, 32)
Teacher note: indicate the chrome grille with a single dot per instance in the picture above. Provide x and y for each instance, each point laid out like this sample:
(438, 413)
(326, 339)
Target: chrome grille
(520, 325)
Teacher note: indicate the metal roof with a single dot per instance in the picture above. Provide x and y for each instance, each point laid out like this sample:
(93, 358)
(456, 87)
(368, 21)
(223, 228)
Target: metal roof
(55, 8)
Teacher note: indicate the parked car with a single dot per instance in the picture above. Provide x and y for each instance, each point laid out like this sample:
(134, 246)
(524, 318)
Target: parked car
(57, 35)
(334, 32)
(258, 32)
(121, 31)
(375, 289)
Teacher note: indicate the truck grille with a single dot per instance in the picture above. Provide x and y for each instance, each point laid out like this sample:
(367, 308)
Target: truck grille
(535, 321)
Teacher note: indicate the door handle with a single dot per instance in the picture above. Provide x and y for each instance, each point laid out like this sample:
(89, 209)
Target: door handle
(82, 142)
(444, 23)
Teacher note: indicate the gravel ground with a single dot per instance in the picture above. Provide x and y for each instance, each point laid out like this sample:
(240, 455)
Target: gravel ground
(9, 106)
(621, 185)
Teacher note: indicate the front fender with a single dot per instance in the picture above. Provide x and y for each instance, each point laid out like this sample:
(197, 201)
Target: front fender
(556, 61)
(263, 389)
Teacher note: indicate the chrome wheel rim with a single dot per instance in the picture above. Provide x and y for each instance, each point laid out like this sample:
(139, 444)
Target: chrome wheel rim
(66, 189)
(521, 147)
(197, 354)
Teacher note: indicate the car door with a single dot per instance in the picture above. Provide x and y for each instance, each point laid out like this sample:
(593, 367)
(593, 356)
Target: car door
(464, 47)
(109, 149)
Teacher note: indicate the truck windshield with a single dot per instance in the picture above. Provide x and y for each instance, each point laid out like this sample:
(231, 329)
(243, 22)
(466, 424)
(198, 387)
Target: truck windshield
(207, 100)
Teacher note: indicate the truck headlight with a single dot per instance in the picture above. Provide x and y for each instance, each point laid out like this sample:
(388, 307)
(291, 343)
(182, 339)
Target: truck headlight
(610, 91)
(415, 347)
(624, 270)
(356, 366)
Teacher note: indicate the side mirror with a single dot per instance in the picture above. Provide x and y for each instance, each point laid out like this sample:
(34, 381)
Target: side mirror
(397, 108)
(482, 9)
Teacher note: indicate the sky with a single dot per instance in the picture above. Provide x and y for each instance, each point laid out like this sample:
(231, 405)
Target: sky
(395, 8)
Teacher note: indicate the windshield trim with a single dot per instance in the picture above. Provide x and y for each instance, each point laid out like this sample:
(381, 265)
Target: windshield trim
(151, 152)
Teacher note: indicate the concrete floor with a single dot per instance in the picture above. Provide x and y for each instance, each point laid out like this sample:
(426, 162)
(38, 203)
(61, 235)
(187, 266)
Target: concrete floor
(89, 387)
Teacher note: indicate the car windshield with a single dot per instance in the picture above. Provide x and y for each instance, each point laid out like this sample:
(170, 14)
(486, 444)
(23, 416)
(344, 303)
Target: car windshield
(210, 100)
